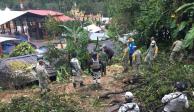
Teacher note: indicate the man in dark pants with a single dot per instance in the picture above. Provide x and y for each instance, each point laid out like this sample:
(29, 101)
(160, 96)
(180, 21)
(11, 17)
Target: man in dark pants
(131, 45)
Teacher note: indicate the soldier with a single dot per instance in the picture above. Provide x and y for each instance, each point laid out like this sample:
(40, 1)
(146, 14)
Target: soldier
(176, 50)
(125, 58)
(151, 54)
(95, 65)
(103, 58)
(42, 75)
(137, 60)
(177, 101)
(76, 70)
(129, 105)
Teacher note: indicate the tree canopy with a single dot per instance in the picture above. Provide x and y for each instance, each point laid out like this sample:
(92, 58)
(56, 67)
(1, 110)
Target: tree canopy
(89, 6)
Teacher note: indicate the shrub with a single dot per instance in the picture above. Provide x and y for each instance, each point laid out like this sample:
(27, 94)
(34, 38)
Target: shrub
(22, 49)
(48, 103)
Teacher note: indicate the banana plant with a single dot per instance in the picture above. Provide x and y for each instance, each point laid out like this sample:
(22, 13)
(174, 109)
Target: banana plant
(189, 38)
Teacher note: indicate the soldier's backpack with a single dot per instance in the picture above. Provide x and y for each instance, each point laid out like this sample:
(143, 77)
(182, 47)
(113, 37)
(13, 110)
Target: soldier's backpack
(95, 64)
(74, 65)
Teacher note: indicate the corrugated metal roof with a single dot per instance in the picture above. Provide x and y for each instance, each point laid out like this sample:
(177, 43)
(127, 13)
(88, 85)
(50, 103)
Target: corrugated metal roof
(6, 16)
(3, 39)
(45, 12)
(63, 18)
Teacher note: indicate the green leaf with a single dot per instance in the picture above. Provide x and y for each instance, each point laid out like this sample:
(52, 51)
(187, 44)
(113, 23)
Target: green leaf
(184, 7)
(182, 25)
(189, 38)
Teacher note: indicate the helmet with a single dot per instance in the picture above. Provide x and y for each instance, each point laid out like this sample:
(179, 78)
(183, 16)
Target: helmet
(74, 54)
(153, 43)
(129, 95)
(152, 38)
(180, 86)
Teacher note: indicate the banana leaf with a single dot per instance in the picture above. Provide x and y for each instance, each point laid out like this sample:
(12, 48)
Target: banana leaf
(189, 38)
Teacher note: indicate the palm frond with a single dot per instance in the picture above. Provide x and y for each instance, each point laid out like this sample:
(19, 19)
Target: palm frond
(189, 39)
(184, 7)
(66, 28)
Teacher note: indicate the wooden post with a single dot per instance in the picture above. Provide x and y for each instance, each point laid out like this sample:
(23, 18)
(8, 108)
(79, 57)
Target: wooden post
(3, 28)
(37, 30)
(15, 25)
(9, 24)
(22, 25)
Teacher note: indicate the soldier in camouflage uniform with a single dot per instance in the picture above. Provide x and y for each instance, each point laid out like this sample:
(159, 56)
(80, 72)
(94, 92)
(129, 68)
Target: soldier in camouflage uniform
(104, 60)
(95, 66)
(136, 60)
(76, 70)
(129, 105)
(176, 51)
(42, 75)
(125, 58)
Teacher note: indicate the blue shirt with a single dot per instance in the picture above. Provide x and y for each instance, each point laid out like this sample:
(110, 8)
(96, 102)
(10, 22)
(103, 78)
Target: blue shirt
(131, 47)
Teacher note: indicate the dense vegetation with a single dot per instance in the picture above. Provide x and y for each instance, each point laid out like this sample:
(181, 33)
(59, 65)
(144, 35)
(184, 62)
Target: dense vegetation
(48, 103)
(167, 20)
(89, 6)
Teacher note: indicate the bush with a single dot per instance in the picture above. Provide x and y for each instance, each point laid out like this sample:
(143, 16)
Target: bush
(22, 49)
(48, 103)
(161, 81)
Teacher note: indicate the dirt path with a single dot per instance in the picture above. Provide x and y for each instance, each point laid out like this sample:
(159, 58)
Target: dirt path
(108, 83)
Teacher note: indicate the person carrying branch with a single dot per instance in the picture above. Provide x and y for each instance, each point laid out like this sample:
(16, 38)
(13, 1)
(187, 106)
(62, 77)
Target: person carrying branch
(76, 71)
(177, 101)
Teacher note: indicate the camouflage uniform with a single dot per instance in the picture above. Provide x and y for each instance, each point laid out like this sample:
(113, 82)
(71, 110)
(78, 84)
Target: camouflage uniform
(76, 72)
(125, 59)
(96, 72)
(175, 102)
(42, 75)
(104, 59)
(129, 107)
(136, 61)
(177, 50)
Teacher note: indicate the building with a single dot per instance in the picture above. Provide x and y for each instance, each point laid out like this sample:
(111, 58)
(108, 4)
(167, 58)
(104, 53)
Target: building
(28, 22)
